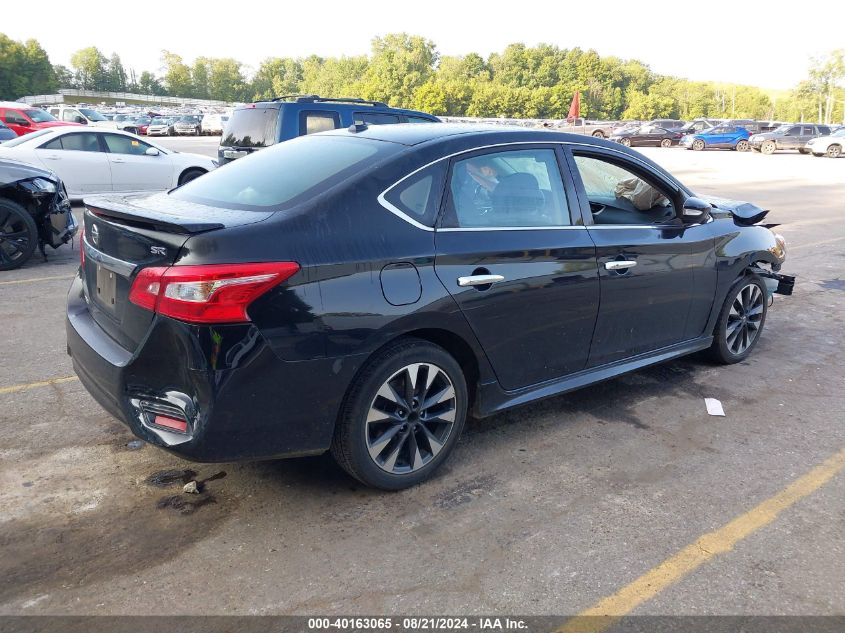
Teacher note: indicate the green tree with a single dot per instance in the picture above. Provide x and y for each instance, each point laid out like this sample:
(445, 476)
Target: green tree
(115, 74)
(400, 64)
(177, 75)
(276, 76)
(200, 78)
(149, 84)
(64, 76)
(226, 80)
(89, 65)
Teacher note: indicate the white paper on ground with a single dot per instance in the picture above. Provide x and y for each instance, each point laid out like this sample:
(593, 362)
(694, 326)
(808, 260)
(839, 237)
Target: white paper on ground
(714, 407)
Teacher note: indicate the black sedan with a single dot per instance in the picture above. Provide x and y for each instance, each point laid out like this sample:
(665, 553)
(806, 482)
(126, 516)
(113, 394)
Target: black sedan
(364, 290)
(647, 135)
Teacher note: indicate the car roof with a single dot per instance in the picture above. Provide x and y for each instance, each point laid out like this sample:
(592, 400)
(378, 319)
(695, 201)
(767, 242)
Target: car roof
(17, 105)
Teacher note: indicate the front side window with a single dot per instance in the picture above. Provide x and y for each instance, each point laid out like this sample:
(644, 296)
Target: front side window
(314, 122)
(518, 188)
(70, 115)
(125, 145)
(618, 195)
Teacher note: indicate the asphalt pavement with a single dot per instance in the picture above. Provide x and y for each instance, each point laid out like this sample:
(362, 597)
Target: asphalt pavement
(546, 509)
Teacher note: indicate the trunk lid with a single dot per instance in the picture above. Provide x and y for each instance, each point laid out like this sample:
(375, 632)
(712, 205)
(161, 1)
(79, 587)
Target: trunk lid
(125, 234)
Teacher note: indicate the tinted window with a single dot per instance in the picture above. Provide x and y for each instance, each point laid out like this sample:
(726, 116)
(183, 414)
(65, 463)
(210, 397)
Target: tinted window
(520, 188)
(418, 196)
(125, 144)
(823, 129)
(80, 142)
(14, 117)
(617, 195)
(418, 119)
(251, 127)
(70, 115)
(376, 118)
(56, 143)
(794, 131)
(286, 173)
(313, 122)
(39, 116)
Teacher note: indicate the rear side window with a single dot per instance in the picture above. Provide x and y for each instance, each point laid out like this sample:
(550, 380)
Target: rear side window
(376, 118)
(76, 142)
(823, 129)
(286, 173)
(252, 127)
(418, 119)
(14, 117)
(418, 196)
(312, 122)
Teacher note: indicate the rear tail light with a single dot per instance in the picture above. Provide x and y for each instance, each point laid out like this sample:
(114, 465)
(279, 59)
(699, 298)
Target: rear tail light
(217, 293)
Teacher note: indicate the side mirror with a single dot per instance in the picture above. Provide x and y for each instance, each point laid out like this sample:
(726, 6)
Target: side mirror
(695, 211)
(82, 120)
(152, 151)
(23, 123)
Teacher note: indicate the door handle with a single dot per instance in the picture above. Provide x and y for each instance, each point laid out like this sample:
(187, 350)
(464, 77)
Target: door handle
(52, 157)
(620, 265)
(479, 280)
(117, 160)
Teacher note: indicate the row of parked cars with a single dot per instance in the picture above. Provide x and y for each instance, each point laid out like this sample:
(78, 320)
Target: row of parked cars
(736, 134)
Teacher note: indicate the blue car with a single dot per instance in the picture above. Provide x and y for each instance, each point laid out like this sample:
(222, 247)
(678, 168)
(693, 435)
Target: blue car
(5, 133)
(719, 136)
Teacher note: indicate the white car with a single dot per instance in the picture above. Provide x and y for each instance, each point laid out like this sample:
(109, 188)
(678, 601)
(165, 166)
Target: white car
(828, 145)
(214, 123)
(100, 161)
(85, 116)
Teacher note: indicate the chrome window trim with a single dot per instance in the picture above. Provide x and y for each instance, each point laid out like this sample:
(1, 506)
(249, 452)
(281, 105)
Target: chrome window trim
(382, 200)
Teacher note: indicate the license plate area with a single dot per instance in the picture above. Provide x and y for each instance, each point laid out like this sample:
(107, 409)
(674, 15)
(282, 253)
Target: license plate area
(106, 288)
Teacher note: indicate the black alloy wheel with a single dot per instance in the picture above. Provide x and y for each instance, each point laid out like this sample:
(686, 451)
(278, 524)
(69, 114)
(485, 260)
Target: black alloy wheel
(402, 417)
(740, 321)
(18, 235)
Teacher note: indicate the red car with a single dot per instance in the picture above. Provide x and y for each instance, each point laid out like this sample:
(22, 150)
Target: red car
(23, 118)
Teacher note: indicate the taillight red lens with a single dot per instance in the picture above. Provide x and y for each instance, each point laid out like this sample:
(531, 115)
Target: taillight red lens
(216, 293)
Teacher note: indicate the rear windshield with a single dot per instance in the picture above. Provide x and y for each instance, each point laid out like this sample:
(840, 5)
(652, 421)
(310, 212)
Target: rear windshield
(286, 173)
(251, 127)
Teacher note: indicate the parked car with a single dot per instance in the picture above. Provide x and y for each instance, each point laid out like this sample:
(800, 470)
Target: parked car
(668, 124)
(258, 125)
(787, 137)
(362, 290)
(94, 161)
(34, 213)
(214, 123)
(647, 135)
(721, 136)
(135, 125)
(24, 119)
(188, 124)
(599, 129)
(6, 133)
(83, 116)
(161, 126)
(698, 125)
(830, 145)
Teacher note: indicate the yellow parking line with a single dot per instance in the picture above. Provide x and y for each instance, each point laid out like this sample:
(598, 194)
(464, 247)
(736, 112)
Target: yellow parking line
(34, 385)
(608, 610)
(24, 281)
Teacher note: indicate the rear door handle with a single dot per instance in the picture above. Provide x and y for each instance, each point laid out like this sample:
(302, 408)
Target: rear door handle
(52, 157)
(117, 160)
(620, 265)
(479, 280)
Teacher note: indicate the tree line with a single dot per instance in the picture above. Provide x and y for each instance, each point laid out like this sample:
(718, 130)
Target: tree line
(407, 71)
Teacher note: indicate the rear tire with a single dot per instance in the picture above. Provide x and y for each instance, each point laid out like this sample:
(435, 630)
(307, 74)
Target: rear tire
(626, 142)
(190, 174)
(803, 151)
(742, 145)
(740, 321)
(599, 134)
(18, 235)
(666, 142)
(402, 416)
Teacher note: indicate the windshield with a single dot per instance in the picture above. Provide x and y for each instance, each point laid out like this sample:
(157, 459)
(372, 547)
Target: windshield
(92, 115)
(839, 132)
(39, 116)
(143, 120)
(188, 119)
(251, 127)
(783, 129)
(286, 173)
(26, 138)
(158, 121)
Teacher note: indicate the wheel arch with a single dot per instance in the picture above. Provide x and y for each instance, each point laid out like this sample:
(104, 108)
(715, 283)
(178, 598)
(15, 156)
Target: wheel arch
(186, 170)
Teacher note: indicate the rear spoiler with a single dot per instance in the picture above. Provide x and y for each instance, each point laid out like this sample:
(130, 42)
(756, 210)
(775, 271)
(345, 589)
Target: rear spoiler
(155, 221)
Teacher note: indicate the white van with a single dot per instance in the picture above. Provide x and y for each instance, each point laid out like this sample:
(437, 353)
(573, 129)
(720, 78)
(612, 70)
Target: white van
(214, 123)
(85, 116)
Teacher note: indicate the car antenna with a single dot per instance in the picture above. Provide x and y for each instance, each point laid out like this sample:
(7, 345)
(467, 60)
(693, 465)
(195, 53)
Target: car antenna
(357, 127)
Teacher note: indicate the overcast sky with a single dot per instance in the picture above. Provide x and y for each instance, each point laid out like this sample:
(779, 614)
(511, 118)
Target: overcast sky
(752, 42)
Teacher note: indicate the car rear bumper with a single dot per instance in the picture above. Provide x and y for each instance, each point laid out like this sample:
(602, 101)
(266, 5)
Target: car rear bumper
(239, 400)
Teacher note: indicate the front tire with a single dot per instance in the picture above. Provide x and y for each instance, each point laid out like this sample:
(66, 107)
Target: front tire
(698, 145)
(740, 321)
(190, 174)
(626, 142)
(834, 151)
(598, 134)
(768, 147)
(18, 235)
(666, 142)
(402, 416)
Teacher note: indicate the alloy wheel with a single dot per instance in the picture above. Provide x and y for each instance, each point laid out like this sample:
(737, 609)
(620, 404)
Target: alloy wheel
(744, 319)
(698, 144)
(768, 147)
(410, 418)
(834, 151)
(15, 237)
(742, 146)
(626, 142)
(666, 143)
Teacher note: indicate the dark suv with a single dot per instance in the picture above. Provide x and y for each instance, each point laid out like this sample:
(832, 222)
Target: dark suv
(266, 123)
(787, 136)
